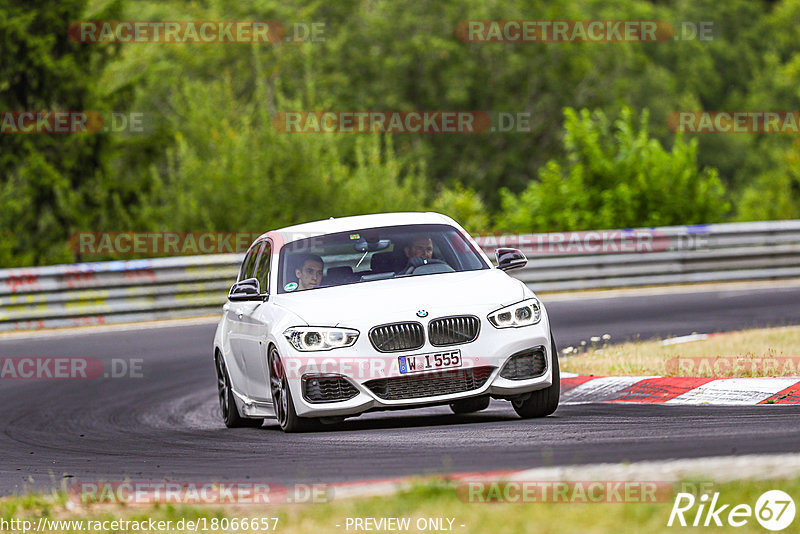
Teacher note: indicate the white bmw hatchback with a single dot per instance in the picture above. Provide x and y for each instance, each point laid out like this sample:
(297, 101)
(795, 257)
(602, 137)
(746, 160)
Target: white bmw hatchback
(334, 318)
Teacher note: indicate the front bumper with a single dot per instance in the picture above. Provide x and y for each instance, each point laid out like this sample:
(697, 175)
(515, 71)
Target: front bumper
(365, 369)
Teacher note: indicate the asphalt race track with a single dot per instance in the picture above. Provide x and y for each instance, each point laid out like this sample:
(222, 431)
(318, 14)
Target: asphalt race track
(673, 314)
(165, 425)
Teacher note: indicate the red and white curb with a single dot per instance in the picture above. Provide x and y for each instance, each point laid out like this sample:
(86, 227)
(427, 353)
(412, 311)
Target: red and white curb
(679, 390)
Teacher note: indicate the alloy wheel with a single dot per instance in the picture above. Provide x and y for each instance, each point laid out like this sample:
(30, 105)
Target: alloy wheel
(278, 387)
(222, 386)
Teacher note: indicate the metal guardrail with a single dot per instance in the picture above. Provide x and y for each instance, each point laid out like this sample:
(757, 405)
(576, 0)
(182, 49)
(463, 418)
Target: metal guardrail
(667, 255)
(121, 291)
(115, 291)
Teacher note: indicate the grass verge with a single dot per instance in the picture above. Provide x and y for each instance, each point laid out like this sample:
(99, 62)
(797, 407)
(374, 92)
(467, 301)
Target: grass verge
(750, 353)
(430, 499)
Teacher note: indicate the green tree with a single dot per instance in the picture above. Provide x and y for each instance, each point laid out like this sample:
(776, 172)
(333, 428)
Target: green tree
(212, 160)
(465, 206)
(615, 176)
(774, 194)
(50, 184)
(230, 169)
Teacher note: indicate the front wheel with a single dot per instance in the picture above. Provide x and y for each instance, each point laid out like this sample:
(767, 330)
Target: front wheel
(282, 397)
(227, 404)
(545, 401)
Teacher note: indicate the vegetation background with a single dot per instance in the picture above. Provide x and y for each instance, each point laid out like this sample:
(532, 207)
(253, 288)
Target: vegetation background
(599, 153)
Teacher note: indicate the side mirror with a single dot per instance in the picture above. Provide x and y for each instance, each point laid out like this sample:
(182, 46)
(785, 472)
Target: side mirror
(245, 290)
(510, 258)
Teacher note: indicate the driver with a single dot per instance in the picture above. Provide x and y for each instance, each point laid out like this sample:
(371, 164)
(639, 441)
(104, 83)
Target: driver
(419, 252)
(309, 275)
(420, 247)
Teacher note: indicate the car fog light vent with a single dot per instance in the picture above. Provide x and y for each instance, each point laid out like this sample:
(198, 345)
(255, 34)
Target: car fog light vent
(523, 365)
(327, 388)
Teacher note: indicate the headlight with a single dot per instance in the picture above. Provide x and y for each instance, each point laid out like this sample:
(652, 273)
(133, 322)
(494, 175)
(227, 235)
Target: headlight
(523, 313)
(307, 338)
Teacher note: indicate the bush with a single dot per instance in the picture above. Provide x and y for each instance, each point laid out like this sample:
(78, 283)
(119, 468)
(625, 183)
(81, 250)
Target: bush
(774, 194)
(465, 206)
(231, 170)
(615, 176)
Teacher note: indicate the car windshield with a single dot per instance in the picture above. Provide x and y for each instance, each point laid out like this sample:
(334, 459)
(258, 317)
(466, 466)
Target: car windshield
(375, 254)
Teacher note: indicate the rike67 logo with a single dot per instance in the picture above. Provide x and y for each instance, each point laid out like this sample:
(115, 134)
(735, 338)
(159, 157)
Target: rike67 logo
(774, 510)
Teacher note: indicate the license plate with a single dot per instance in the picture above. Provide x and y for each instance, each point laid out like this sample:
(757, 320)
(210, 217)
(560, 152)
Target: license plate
(445, 359)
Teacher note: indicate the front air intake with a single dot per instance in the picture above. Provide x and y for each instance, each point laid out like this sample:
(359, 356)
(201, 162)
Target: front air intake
(327, 388)
(453, 330)
(431, 384)
(526, 364)
(397, 336)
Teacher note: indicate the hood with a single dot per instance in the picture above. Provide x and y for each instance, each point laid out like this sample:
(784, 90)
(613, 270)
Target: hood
(381, 300)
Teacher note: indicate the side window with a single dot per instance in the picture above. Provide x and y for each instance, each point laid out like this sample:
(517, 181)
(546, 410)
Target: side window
(263, 267)
(249, 263)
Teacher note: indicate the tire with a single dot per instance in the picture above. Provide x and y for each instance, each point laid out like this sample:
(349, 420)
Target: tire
(475, 404)
(282, 401)
(545, 401)
(227, 404)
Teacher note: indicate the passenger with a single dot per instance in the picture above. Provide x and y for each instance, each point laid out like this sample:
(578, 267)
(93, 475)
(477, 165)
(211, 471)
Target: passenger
(309, 275)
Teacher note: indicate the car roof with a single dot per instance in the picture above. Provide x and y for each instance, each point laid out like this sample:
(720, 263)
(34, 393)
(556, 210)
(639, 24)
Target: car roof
(358, 222)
